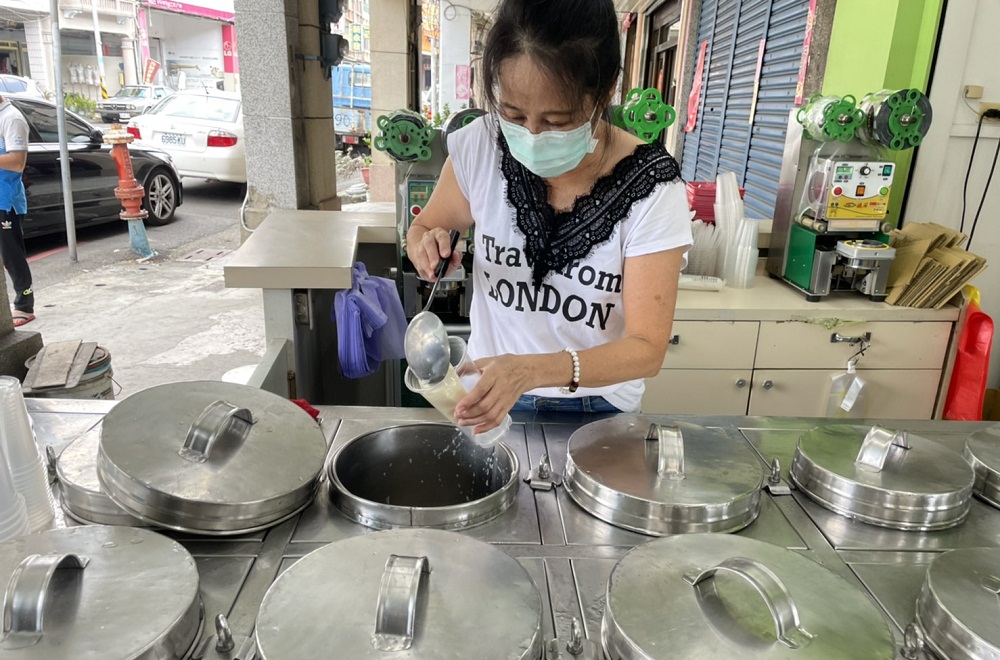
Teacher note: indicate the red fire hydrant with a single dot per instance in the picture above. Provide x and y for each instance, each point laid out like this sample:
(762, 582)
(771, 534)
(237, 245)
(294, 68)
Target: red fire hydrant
(129, 192)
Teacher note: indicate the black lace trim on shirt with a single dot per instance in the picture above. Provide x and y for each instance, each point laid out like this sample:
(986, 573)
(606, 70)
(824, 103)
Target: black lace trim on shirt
(555, 239)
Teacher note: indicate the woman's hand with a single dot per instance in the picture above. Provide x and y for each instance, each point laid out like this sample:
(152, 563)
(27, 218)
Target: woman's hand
(504, 379)
(426, 253)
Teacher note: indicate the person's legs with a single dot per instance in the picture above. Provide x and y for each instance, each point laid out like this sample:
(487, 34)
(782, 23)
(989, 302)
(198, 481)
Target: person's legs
(15, 261)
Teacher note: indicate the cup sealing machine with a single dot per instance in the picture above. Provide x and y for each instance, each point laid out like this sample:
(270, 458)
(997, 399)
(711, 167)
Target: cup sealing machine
(830, 226)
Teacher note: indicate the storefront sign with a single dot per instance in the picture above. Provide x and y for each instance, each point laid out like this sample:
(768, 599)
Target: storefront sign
(462, 82)
(357, 42)
(804, 62)
(694, 99)
(191, 10)
(230, 60)
(143, 33)
(149, 73)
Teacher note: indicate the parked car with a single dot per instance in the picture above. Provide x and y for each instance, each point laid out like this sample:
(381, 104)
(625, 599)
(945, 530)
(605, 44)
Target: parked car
(131, 100)
(202, 130)
(94, 175)
(11, 84)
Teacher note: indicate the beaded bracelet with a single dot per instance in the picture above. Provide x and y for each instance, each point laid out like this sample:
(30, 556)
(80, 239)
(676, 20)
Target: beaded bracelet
(575, 383)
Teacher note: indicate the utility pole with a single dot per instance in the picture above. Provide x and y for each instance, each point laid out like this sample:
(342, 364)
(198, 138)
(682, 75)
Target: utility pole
(64, 162)
(100, 48)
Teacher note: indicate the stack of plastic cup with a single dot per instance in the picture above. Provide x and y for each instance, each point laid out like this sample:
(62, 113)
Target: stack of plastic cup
(13, 514)
(27, 468)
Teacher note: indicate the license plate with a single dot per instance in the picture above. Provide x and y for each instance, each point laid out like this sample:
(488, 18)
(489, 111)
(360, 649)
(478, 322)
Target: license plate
(125, 115)
(173, 138)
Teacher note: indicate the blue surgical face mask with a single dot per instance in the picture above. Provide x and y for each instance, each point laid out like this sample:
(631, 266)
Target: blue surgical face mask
(549, 153)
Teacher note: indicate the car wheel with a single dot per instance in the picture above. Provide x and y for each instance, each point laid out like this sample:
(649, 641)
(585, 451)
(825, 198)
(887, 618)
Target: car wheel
(160, 201)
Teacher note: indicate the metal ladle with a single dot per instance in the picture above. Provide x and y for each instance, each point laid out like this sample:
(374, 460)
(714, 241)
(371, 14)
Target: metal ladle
(426, 340)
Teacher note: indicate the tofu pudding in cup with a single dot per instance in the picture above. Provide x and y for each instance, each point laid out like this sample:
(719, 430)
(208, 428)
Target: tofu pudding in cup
(462, 376)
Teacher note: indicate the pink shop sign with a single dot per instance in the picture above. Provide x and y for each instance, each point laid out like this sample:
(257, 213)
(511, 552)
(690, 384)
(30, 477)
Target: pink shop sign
(191, 10)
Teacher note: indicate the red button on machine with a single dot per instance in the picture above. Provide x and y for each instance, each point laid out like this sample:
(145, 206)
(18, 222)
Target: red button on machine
(838, 190)
(415, 210)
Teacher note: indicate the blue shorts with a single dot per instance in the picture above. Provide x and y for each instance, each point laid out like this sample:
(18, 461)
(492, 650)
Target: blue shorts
(591, 404)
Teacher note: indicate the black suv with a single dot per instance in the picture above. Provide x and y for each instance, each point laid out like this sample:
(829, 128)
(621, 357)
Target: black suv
(93, 173)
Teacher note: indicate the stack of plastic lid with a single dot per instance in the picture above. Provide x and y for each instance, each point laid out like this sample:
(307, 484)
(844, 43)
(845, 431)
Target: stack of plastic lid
(27, 468)
(701, 199)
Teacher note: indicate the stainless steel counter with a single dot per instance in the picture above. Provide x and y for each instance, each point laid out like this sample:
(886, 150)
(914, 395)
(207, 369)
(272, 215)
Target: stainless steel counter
(569, 553)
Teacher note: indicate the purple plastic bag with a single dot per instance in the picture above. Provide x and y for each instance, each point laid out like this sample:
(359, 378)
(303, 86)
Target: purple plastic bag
(370, 323)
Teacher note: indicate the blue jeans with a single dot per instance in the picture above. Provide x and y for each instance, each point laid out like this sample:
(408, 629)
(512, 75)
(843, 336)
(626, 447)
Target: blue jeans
(590, 404)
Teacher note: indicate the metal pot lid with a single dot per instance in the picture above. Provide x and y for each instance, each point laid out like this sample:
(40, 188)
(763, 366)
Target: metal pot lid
(83, 498)
(431, 593)
(722, 596)
(662, 480)
(958, 607)
(97, 592)
(210, 457)
(883, 477)
(422, 475)
(982, 450)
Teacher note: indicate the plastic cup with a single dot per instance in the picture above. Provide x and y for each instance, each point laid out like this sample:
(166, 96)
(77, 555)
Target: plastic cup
(463, 375)
(33, 483)
(26, 467)
(16, 435)
(13, 514)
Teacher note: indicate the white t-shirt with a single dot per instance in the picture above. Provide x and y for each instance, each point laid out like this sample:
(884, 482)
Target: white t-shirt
(579, 307)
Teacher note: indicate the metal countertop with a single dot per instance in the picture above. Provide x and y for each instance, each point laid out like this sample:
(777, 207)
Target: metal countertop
(568, 552)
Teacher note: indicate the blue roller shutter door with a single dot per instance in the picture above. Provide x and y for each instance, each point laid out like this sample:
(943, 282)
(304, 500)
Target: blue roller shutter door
(724, 139)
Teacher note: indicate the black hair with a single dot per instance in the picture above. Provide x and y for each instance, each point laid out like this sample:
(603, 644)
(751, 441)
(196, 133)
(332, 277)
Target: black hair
(576, 42)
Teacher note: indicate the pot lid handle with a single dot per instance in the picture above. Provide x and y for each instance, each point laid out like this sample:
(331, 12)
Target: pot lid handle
(991, 583)
(877, 445)
(27, 591)
(397, 602)
(219, 419)
(784, 613)
(670, 450)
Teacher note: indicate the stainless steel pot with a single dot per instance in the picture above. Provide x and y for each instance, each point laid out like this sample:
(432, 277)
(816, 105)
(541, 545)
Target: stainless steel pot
(83, 499)
(958, 607)
(710, 596)
(982, 450)
(96, 592)
(422, 475)
(884, 477)
(210, 457)
(407, 593)
(660, 480)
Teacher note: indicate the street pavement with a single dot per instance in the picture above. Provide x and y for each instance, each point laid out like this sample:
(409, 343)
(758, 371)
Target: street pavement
(167, 319)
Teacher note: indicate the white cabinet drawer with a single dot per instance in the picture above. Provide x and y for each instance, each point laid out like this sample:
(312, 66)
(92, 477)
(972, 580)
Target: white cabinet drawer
(697, 392)
(712, 345)
(889, 393)
(894, 345)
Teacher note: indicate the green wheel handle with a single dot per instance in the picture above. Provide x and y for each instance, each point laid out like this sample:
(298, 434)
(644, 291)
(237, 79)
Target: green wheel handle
(405, 136)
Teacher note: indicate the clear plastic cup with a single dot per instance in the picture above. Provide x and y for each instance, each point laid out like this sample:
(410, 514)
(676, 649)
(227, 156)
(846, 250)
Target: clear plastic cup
(26, 466)
(32, 482)
(13, 514)
(463, 374)
(14, 521)
(16, 435)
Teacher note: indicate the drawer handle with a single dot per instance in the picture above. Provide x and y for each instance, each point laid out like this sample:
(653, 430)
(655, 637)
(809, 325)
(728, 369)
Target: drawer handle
(768, 384)
(676, 339)
(837, 338)
(741, 382)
